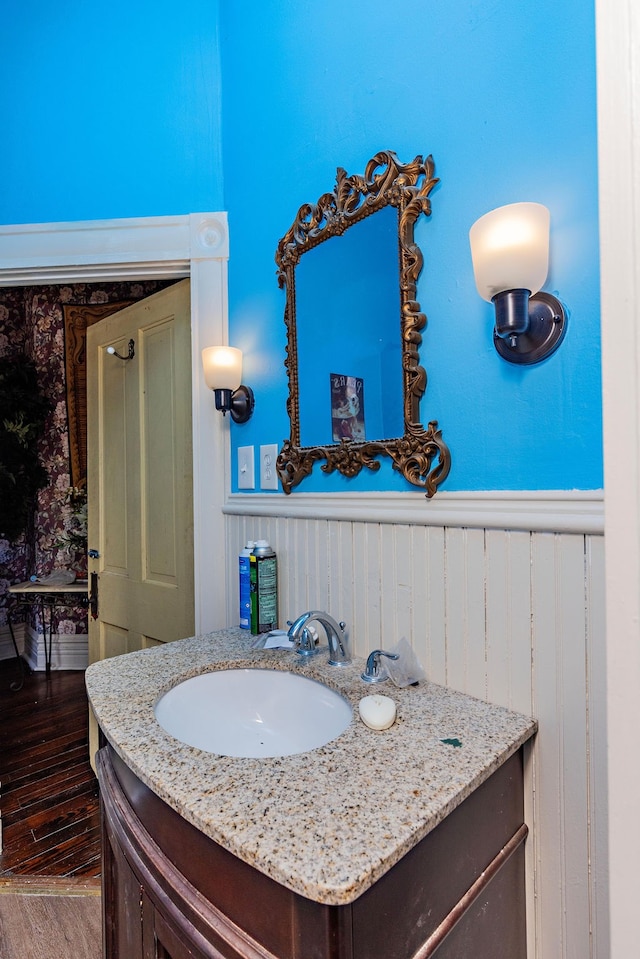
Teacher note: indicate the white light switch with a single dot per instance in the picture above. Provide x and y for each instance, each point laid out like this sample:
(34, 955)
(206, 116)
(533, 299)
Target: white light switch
(246, 470)
(268, 473)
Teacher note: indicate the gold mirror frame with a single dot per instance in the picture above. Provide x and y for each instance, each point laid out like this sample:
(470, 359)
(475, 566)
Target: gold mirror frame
(420, 455)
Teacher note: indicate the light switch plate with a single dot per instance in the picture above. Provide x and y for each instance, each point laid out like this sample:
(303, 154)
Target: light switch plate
(268, 473)
(246, 469)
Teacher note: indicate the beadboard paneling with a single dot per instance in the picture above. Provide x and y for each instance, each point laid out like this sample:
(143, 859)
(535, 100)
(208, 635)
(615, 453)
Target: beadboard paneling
(513, 617)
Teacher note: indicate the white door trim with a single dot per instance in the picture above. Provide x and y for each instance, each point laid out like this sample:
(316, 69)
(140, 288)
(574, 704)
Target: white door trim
(195, 245)
(618, 67)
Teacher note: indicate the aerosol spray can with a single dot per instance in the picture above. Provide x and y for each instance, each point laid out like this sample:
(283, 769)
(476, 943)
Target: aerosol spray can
(264, 588)
(245, 584)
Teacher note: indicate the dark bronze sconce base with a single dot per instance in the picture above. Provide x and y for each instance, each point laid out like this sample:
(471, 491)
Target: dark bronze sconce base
(239, 403)
(532, 341)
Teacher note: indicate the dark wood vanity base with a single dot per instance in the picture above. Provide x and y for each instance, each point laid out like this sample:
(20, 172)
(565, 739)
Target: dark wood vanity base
(170, 892)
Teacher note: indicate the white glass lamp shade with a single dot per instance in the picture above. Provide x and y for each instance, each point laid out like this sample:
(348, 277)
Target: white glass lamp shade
(510, 249)
(222, 367)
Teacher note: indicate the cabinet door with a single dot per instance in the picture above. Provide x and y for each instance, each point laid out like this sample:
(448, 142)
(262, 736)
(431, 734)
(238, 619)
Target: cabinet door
(122, 898)
(163, 941)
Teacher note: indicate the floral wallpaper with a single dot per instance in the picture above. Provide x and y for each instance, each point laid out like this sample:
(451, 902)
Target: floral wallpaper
(15, 558)
(32, 323)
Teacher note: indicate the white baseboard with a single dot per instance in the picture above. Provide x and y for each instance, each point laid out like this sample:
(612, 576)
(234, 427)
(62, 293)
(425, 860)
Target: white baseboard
(6, 646)
(67, 651)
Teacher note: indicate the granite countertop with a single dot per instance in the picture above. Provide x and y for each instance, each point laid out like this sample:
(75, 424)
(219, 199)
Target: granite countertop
(326, 823)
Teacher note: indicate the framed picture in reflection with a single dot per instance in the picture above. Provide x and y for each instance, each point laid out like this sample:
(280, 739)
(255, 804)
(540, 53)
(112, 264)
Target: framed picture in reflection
(347, 407)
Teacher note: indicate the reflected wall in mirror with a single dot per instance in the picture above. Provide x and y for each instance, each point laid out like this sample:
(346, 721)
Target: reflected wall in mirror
(354, 328)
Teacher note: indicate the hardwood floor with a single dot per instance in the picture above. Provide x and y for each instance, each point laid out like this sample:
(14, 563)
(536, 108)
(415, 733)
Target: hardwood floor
(49, 798)
(50, 927)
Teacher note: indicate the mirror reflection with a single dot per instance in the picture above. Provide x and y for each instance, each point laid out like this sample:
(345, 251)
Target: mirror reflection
(349, 346)
(349, 266)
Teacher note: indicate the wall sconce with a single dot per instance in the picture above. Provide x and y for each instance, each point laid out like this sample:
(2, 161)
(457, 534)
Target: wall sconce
(223, 373)
(510, 253)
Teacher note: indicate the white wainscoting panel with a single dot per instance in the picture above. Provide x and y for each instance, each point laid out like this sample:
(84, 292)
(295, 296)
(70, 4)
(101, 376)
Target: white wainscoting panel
(514, 617)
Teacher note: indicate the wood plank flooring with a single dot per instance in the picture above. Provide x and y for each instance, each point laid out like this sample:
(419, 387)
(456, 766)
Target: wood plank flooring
(50, 927)
(49, 794)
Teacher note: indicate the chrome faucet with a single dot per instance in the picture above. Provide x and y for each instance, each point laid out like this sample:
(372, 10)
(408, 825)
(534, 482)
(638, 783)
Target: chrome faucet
(337, 636)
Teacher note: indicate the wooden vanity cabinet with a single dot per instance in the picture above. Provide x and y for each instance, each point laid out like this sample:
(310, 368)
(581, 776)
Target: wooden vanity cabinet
(169, 892)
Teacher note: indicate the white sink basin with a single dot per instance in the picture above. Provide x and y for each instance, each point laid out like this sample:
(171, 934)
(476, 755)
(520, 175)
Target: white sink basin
(253, 713)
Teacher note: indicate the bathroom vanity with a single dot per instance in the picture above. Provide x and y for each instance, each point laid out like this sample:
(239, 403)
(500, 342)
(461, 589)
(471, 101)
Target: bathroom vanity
(395, 844)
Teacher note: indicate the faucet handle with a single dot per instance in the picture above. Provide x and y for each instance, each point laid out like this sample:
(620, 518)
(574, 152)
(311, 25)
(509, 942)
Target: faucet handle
(307, 643)
(372, 672)
(303, 636)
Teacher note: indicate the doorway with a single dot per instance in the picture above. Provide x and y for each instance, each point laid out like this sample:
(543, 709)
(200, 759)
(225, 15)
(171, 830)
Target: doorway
(47, 325)
(174, 247)
(165, 249)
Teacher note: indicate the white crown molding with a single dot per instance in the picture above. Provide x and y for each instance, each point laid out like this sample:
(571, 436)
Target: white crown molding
(94, 250)
(539, 511)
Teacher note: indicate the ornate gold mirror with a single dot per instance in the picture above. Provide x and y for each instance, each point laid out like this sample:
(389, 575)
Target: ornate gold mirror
(354, 328)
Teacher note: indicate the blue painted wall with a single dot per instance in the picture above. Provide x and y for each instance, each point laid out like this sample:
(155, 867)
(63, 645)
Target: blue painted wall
(109, 109)
(120, 110)
(503, 96)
